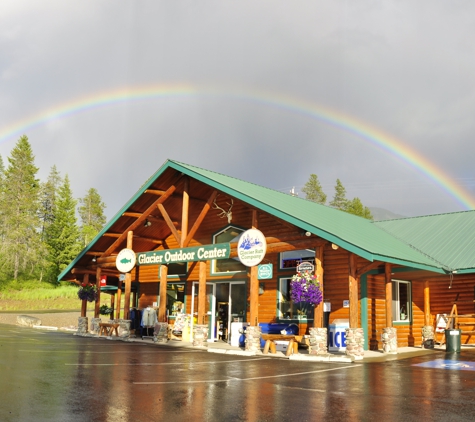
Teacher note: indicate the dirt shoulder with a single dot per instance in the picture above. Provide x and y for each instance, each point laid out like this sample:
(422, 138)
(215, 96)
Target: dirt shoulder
(57, 319)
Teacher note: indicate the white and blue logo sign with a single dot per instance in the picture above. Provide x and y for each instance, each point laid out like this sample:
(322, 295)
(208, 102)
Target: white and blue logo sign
(251, 247)
(264, 272)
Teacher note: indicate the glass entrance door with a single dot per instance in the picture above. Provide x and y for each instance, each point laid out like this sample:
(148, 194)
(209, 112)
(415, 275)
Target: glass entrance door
(225, 304)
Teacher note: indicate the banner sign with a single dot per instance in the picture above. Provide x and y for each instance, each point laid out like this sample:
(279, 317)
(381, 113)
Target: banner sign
(196, 253)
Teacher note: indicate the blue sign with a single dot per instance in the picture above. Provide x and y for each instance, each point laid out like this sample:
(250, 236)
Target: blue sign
(448, 364)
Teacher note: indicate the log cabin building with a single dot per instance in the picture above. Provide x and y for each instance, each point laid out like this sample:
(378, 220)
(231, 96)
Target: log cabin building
(398, 274)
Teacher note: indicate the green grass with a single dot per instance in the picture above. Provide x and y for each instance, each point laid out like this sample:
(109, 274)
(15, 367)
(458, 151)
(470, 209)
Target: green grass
(42, 298)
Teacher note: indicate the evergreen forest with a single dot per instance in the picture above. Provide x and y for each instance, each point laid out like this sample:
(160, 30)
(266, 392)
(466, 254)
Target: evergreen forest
(42, 226)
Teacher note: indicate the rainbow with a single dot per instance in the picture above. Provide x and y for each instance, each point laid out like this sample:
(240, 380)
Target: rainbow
(337, 119)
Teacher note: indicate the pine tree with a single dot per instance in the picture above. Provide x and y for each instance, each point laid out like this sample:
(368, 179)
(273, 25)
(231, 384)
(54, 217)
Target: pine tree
(339, 200)
(62, 234)
(313, 190)
(20, 207)
(356, 207)
(48, 194)
(92, 215)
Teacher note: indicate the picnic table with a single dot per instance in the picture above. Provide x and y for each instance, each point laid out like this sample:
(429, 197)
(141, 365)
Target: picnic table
(293, 342)
(108, 328)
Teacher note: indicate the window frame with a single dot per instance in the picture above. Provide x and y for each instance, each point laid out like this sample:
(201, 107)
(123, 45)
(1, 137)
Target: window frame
(397, 306)
(213, 269)
(301, 259)
(280, 313)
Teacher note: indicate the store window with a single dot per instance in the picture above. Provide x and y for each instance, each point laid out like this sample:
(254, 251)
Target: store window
(286, 308)
(175, 298)
(402, 302)
(228, 234)
(291, 259)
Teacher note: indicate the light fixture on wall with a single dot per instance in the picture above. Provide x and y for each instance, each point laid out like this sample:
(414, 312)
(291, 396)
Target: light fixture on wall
(147, 223)
(334, 247)
(94, 259)
(261, 288)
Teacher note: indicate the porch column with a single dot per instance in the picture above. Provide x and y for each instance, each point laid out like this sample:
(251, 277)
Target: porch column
(202, 293)
(98, 287)
(318, 333)
(162, 306)
(389, 335)
(428, 334)
(253, 331)
(85, 282)
(354, 335)
(200, 330)
(254, 285)
(128, 278)
(353, 291)
(82, 320)
(118, 299)
(318, 312)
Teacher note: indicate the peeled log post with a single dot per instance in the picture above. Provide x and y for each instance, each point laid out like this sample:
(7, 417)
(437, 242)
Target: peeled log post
(389, 295)
(318, 311)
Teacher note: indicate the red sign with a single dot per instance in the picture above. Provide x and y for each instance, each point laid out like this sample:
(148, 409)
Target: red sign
(103, 280)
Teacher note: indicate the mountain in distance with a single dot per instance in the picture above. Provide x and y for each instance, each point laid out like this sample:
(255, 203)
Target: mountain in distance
(380, 214)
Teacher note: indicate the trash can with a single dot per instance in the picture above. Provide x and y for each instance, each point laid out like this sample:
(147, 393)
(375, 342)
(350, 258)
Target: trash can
(453, 342)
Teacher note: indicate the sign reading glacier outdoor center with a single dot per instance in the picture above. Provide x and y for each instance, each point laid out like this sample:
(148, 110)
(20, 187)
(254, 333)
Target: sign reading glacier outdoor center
(195, 253)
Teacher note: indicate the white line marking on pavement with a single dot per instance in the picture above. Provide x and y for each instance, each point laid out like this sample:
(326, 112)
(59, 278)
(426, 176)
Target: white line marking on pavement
(243, 379)
(160, 364)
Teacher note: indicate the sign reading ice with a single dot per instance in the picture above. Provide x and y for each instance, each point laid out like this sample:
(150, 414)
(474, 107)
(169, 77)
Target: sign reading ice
(251, 247)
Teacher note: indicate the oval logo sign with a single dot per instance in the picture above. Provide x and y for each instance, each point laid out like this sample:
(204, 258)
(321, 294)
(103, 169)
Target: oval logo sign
(125, 260)
(251, 247)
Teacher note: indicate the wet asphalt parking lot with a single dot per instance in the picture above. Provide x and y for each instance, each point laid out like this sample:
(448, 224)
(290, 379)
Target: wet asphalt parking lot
(56, 376)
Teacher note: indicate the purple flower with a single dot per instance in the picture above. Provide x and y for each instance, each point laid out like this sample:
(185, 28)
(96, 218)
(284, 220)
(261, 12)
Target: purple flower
(305, 287)
(88, 293)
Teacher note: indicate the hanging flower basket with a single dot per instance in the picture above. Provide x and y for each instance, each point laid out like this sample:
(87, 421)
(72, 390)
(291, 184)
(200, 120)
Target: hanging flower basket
(305, 288)
(105, 310)
(88, 293)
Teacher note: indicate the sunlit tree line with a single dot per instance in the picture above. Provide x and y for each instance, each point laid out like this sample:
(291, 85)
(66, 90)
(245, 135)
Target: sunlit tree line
(314, 192)
(42, 226)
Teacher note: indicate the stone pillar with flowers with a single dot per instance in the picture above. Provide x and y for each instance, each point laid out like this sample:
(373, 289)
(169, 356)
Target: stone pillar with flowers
(305, 292)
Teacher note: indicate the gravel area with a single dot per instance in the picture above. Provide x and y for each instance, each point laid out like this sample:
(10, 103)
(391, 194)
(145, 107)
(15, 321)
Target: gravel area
(57, 319)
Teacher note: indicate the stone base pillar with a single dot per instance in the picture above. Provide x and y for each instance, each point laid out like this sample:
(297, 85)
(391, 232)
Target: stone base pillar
(389, 340)
(124, 328)
(355, 343)
(160, 332)
(95, 325)
(428, 339)
(318, 341)
(253, 339)
(200, 335)
(82, 326)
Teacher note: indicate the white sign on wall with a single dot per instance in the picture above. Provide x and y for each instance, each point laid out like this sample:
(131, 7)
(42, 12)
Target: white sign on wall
(125, 260)
(251, 247)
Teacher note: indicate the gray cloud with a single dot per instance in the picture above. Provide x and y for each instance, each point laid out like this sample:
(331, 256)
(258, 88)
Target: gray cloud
(404, 68)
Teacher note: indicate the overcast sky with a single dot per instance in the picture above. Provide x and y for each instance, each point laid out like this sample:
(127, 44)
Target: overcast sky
(244, 79)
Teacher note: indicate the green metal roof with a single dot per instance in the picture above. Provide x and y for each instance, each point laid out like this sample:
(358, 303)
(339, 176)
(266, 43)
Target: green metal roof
(401, 242)
(348, 231)
(447, 238)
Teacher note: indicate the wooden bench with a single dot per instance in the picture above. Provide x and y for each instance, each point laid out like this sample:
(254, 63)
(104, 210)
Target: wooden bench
(293, 342)
(108, 328)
